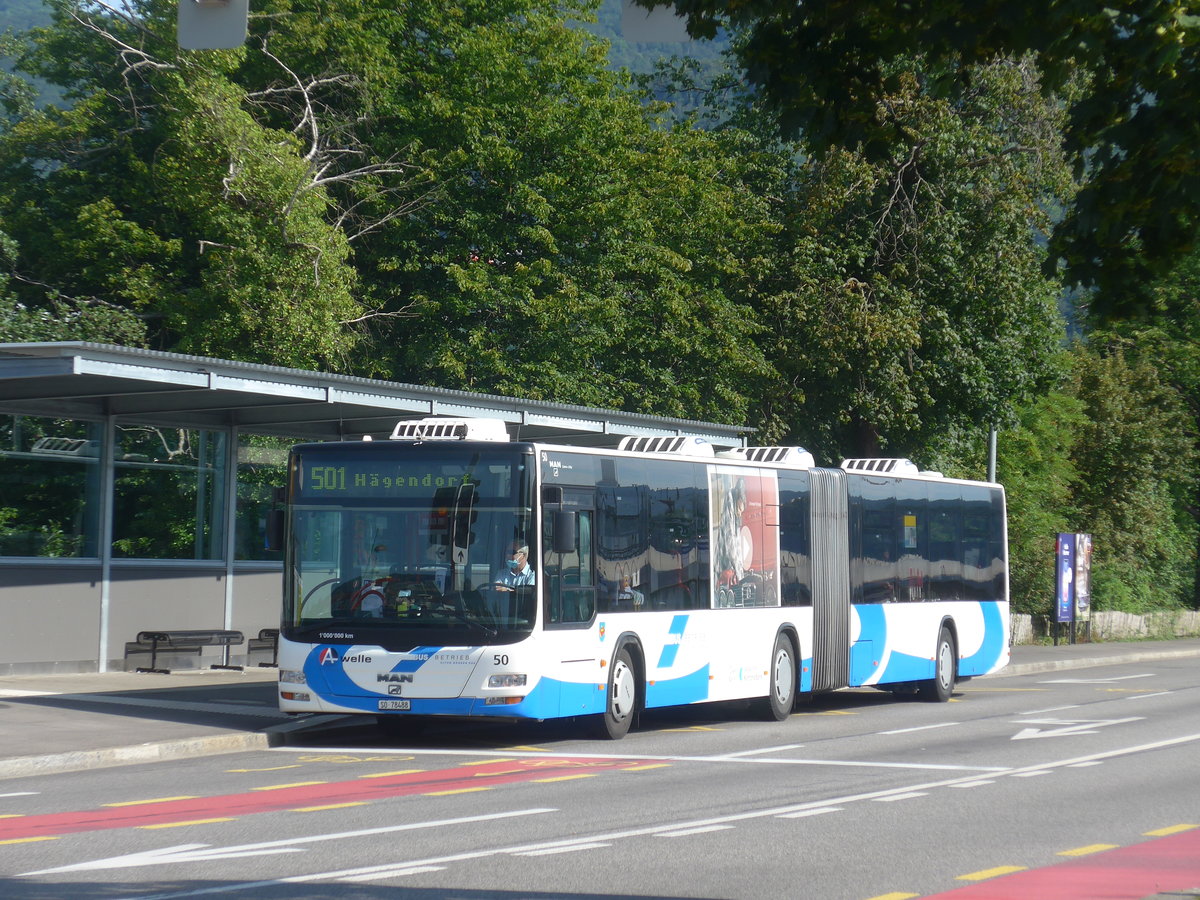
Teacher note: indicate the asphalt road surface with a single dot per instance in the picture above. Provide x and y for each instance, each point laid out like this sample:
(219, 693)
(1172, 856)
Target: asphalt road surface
(1021, 786)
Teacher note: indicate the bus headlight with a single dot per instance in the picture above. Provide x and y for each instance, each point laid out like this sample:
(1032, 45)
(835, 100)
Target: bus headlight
(506, 681)
(291, 676)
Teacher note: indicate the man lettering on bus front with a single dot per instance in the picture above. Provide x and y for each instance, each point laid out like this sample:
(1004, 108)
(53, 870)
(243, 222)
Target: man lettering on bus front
(519, 573)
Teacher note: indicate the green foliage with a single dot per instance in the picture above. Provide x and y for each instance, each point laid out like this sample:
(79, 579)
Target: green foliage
(828, 70)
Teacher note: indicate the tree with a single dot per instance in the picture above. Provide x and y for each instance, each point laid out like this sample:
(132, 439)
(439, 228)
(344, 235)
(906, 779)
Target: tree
(904, 297)
(157, 192)
(828, 69)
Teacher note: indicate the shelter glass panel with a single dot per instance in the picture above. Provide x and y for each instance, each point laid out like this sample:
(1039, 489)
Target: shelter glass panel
(169, 493)
(49, 487)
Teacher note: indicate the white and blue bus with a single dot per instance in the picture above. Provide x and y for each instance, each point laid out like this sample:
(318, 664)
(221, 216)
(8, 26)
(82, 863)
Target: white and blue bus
(453, 572)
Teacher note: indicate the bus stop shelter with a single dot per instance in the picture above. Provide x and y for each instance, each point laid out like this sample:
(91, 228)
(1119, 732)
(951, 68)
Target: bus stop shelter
(134, 484)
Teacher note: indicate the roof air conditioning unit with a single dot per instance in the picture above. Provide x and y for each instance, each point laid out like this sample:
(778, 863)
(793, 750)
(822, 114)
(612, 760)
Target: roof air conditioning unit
(881, 466)
(451, 430)
(677, 444)
(791, 456)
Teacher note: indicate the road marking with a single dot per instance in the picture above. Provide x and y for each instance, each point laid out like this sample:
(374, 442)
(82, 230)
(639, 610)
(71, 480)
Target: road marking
(761, 750)
(30, 840)
(646, 767)
(547, 851)
(919, 728)
(396, 873)
(911, 795)
(1031, 774)
(154, 800)
(985, 874)
(200, 852)
(1145, 696)
(805, 813)
(565, 777)
(329, 806)
(1098, 680)
(971, 784)
(1040, 712)
(284, 787)
(1088, 850)
(1171, 829)
(1066, 727)
(390, 774)
(690, 831)
(468, 790)
(895, 895)
(183, 824)
(264, 769)
(21, 794)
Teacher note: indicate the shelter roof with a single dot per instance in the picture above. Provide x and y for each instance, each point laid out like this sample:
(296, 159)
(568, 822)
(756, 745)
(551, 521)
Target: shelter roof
(84, 380)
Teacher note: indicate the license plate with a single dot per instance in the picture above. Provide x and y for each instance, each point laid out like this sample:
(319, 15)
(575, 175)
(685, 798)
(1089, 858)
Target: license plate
(395, 704)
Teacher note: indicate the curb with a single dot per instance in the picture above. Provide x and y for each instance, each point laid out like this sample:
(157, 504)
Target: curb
(76, 761)
(1084, 662)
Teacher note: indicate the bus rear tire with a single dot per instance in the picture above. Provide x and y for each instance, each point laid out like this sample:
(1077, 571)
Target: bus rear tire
(620, 704)
(782, 677)
(939, 688)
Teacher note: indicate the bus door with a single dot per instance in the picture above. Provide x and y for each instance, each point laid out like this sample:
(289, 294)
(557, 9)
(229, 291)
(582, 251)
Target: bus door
(569, 561)
(830, 580)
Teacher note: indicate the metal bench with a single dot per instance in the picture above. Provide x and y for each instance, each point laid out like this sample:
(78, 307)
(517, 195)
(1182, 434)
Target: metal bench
(268, 639)
(193, 641)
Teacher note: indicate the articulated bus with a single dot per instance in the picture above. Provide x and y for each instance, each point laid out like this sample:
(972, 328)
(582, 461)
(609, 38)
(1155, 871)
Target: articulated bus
(450, 571)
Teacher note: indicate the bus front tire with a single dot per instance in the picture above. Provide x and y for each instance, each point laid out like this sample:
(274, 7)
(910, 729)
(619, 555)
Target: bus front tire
(620, 704)
(782, 675)
(939, 688)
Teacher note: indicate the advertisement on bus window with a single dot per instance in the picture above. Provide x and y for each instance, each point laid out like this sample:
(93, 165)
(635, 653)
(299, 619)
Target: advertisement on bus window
(745, 521)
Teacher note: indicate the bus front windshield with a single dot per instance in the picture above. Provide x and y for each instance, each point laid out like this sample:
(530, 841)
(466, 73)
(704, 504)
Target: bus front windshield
(394, 543)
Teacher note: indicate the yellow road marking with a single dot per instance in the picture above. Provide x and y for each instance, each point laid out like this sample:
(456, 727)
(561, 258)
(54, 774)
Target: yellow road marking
(153, 800)
(280, 787)
(895, 895)
(267, 769)
(329, 806)
(30, 840)
(182, 824)
(530, 749)
(691, 728)
(984, 874)
(456, 791)
(565, 777)
(485, 762)
(1084, 851)
(389, 774)
(11, 816)
(1170, 829)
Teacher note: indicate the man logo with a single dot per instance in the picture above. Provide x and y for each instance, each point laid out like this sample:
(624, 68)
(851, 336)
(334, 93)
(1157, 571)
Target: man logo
(396, 677)
(327, 657)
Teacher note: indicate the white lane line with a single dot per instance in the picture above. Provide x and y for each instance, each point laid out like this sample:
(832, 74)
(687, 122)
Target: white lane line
(920, 728)
(911, 795)
(1144, 696)
(1038, 712)
(805, 813)
(760, 751)
(398, 872)
(574, 848)
(634, 758)
(686, 832)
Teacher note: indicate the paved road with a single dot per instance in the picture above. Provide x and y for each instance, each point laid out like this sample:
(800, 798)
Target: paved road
(60, 723)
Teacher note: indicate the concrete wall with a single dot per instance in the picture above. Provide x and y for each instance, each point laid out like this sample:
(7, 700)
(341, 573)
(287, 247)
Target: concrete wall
(1114, 626)
(51, 614)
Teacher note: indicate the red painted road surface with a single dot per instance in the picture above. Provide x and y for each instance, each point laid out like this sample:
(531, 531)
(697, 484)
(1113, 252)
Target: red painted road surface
(1156, 866)
(462, 778)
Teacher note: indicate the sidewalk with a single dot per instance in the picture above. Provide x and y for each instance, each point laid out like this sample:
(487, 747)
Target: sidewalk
(62, 723)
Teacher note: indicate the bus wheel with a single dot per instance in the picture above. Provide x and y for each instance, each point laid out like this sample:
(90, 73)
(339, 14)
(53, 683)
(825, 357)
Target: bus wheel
(621, 702)
(939, 688)
(783, 680)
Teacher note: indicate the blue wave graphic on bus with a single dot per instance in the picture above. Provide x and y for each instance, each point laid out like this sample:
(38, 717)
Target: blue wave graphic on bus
(666, 659)
(873, 632)
(990, 653)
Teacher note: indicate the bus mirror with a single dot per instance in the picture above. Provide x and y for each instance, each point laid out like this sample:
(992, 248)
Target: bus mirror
(273, 540)
(564, 532)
